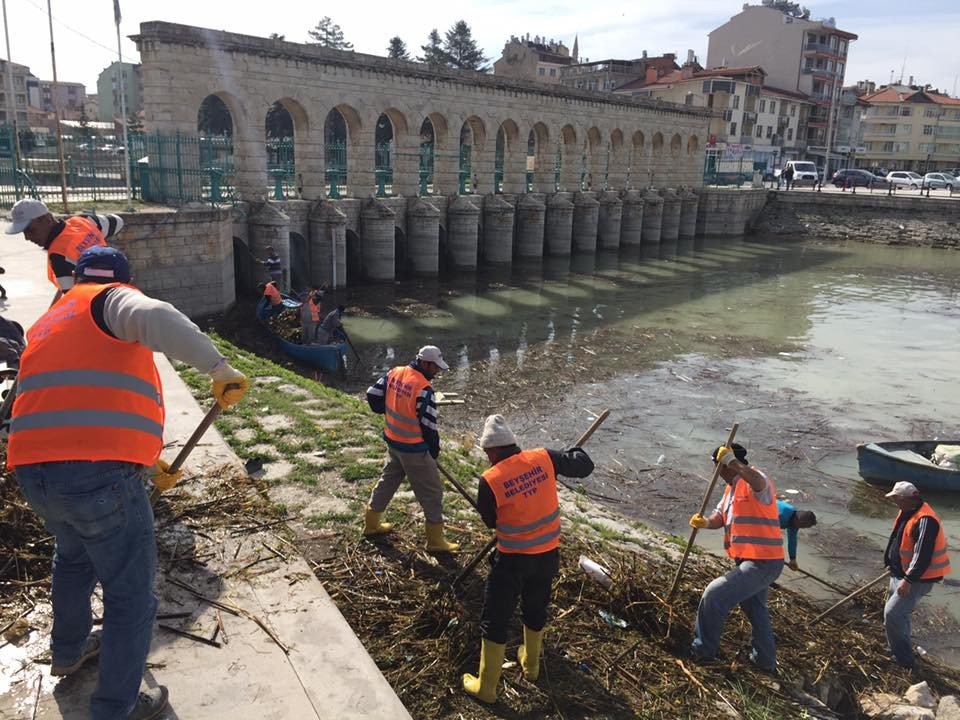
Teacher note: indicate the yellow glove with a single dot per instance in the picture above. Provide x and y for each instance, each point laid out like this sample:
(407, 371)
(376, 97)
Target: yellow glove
(699, 522)
(224, 376)
(725, 455)
(162, 478)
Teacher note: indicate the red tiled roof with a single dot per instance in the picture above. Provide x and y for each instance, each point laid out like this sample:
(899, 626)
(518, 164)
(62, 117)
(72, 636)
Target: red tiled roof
(677, 76)
(892, 95)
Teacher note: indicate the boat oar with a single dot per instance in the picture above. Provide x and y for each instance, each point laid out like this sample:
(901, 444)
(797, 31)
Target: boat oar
(830, 585)
(350, 343)
(581, 441)
(212, 414)
(453, 481)
(703, 509)
(848, 598)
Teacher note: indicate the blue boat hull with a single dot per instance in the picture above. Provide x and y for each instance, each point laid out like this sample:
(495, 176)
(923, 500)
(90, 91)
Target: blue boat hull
(328, 358)
(878, 466)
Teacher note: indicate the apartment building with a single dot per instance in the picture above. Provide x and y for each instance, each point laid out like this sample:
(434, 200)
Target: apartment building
(537, 59)
(755, 122)
(798, 54)
(906, 127)
(14, 99)
(71, 97)
(610, 74)
(108, 91)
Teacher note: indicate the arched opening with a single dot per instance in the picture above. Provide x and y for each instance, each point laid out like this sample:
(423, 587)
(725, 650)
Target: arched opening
(657, 145)
(676, 146)
(354, 256)
(215, 129)
(442, 249)
(465, 166)
(567, 155)
(244, 268)
(595, 159)
(400, 261)
(693, 145)
(335, 138)
(280, 151)
(635, 159)
(499, 155)
(538, 159)
(299, 262)
(531, 159)
(614, 169)
(428, 140)
(383, 155)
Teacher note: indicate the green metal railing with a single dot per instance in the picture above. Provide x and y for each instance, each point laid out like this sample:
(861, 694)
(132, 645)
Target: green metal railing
(280, 167)
(557, 167)
(176, 169)
(336, 168)
(383, 169)
(463, 172)
(529, 180)
(426, 168)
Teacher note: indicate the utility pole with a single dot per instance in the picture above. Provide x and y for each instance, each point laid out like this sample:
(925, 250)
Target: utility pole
(826, 162)
(12, 105)
(56, 112)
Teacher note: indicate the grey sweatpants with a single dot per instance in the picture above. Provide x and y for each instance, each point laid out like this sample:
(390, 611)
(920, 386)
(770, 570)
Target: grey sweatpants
(421, 470)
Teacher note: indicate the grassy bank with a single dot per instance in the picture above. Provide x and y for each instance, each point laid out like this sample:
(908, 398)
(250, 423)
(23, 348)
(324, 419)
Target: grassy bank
(322, 452)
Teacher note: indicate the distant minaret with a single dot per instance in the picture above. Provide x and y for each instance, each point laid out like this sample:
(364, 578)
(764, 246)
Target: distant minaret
(576, 49)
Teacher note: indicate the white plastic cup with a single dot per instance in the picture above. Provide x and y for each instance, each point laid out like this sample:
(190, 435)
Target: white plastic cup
(596, 572)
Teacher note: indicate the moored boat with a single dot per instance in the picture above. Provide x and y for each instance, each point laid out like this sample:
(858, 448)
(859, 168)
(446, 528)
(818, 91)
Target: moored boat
(886, 463)
(329, 357)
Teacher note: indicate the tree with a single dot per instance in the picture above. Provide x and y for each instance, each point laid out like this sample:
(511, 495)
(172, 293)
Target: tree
(134, 124)
(397, 49)
(84, 121)
(214, 117)
(28, 140)
(328, 34)
(461, 49)
(788, 8)
(433, 52)
(279, 122)
(277, 36)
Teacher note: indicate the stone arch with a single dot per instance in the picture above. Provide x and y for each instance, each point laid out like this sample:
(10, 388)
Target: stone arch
(616, 165)
(540, 158)
(507, 141)
(389, 132)
(637, 156)
(676, 145)
(428, 149)
(286, 127)
(336, 143)
(299, 262)
(401, 266)
(473, 135)
(217, 114)
(354, 256)
(693, 145)
(568, 161)
(220, 116)
(596, 159)
(656, 145)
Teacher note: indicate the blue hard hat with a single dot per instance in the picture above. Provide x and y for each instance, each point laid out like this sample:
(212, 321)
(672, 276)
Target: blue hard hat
(103, 264)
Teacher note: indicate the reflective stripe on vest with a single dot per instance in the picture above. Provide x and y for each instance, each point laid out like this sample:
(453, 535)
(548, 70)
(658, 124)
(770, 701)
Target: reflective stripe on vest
(78, 234)
(83, 394)
(751, 529)
(939, 561)
(404, 385)
(528, 509)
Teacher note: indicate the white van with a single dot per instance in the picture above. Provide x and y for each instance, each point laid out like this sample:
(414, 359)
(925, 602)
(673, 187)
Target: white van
(804, 171)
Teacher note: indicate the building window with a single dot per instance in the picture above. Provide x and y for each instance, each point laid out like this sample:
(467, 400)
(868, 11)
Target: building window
(905, 128)
(901, 147)
(733, 128)
(759, 131)
(834, 41)
(928, 129)
(763, 106)
(553, 72)
(793, 111)
(906, 111)
(21, 99)
(840, 68)
(773, 107)
(843, 47)
(931, 112)
(541, 72)
(790, 134)
(769, 131)
(736, 102)
(928, 147)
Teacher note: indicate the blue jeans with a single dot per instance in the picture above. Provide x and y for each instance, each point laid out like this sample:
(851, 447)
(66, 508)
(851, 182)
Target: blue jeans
(896, 619)
(746, 585)
(101, 518)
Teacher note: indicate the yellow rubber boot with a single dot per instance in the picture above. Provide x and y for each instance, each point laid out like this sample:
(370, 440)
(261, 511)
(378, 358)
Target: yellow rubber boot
(529, 653)
(436, 541)
(484, 687)
(372, 524)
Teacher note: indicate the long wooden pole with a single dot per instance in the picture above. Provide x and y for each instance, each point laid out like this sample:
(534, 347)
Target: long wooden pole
(703, 509)
(581, 441)
(56, 112)
(458, 486)
(830, 585)
(848, 598)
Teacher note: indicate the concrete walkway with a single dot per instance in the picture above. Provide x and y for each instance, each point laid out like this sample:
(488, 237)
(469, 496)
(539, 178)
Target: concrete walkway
(327, 674)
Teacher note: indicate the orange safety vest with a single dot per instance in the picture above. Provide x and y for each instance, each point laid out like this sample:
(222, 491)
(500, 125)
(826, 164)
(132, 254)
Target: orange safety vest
(404, 385)
(78, 234)
(528, 509)
(314, 310)
(751, 529)
(82, 394)
(273, 294)
(939, 563)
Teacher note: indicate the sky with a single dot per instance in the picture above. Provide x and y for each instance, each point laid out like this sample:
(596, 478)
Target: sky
(917, 37)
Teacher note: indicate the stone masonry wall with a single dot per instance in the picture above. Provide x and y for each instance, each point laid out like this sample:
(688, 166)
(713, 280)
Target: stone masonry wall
(876, 218)
(183, 257)
(658, 143)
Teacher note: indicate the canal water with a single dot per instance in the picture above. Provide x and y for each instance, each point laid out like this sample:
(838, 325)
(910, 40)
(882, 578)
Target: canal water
(811, 348)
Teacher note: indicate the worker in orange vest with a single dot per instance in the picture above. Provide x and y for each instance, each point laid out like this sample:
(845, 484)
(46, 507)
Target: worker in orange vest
(518, 497)
(86, 431)
(64, 240)
(406, 399)
(917, 557)
(274, 300)
(748, 514)
(310, 316)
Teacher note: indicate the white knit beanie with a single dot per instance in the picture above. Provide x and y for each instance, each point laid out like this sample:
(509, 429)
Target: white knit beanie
(496, 433)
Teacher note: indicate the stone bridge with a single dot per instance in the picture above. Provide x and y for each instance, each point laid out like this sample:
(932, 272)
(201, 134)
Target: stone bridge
(552, 170)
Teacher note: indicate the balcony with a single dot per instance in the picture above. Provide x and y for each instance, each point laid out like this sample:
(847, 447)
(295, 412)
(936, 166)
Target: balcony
(747, 140)
(749, 117)
(818, 47)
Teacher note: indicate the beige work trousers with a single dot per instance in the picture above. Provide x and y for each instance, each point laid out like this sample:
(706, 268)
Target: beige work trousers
(421, 470)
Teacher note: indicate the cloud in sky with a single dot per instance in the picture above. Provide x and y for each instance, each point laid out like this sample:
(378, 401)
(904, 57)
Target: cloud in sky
(923, 30)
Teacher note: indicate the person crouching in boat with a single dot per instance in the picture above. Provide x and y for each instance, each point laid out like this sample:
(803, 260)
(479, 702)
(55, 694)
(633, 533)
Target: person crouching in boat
(272, 294)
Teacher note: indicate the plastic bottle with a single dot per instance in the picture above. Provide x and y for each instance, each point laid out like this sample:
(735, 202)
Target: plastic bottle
(596, 572)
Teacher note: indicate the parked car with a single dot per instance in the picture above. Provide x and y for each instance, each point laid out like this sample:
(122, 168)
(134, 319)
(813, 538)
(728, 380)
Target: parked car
(857, 178)
(905, 178)
(940, 180)
(953, 171)
(880, 172)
